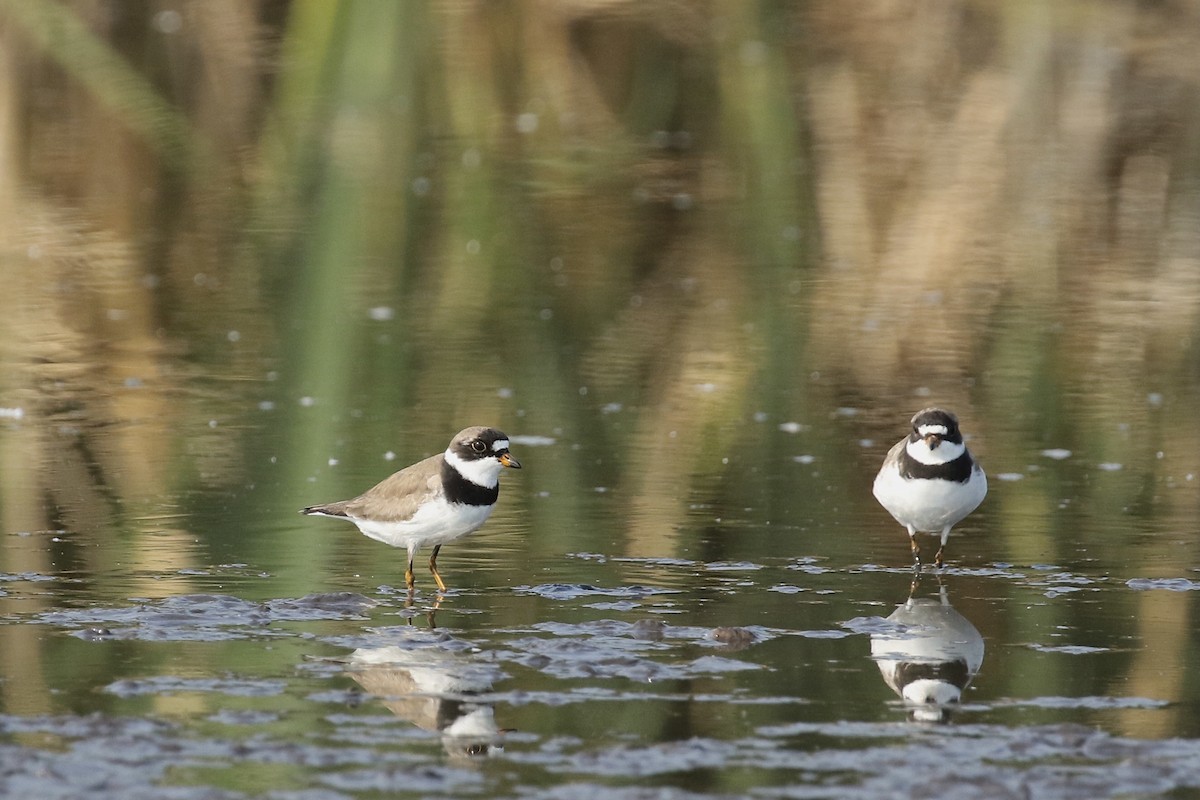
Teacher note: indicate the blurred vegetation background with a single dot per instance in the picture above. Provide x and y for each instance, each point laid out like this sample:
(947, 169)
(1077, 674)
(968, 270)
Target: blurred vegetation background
(243, 240)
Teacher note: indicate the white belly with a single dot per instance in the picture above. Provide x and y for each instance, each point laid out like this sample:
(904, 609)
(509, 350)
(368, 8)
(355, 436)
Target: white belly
(929, 505)
(435, 523)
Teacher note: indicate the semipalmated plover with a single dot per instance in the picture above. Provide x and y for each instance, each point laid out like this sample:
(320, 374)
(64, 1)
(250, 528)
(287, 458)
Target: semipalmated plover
(435, 689)
(928, 481)
(435, 501)
(930, 657)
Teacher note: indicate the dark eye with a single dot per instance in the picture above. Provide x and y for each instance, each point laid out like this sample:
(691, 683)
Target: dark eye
(478, 446)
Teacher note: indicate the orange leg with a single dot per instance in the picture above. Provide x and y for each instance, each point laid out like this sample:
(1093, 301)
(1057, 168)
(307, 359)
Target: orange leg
(433, 568)
(916, 548)
(937, 559)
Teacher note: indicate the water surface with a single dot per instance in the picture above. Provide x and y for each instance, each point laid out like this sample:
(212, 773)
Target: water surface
(702, 267)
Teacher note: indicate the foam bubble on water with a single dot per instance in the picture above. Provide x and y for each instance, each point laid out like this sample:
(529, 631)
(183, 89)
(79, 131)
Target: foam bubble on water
(527, 122)
(1169, 584)
(382, 313)
(529, 440)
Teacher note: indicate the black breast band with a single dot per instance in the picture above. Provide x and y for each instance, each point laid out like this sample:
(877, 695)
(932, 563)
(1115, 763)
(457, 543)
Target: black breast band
(460, 490)
(958, 470)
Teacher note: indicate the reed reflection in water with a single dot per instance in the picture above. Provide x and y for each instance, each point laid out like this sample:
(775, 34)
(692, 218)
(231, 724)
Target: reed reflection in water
(708, 257)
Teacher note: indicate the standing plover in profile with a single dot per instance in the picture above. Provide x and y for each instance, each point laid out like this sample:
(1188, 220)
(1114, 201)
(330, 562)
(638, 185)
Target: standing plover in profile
(929, 482)
(435, 501)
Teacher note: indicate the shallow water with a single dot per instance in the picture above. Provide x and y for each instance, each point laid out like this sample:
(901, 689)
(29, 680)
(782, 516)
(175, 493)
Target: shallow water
(702, 267)
(599, 674)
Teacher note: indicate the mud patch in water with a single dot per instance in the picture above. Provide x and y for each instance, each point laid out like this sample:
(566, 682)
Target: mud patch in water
(205, 617)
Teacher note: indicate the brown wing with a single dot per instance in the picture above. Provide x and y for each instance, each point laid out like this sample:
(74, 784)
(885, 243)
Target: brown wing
(395, 498)
(893, 455)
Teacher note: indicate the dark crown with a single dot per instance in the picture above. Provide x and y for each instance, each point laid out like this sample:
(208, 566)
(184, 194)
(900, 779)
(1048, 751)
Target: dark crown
(476, 443)
(936, 416)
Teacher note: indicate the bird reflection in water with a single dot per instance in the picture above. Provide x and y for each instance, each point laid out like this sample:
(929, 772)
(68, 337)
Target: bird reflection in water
(930, 655)
(436, 690)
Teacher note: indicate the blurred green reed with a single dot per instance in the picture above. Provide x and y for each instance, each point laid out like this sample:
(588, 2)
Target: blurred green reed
(421, 216)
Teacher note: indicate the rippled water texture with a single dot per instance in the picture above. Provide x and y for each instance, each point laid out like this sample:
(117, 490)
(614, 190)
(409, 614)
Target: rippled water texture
(701, 262)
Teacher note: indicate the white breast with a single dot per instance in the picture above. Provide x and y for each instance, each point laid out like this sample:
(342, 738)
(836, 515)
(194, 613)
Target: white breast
(436, 522)
(929, 505)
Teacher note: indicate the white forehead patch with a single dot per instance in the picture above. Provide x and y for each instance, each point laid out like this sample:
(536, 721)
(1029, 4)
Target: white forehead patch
(940, 430)
(499, 445)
